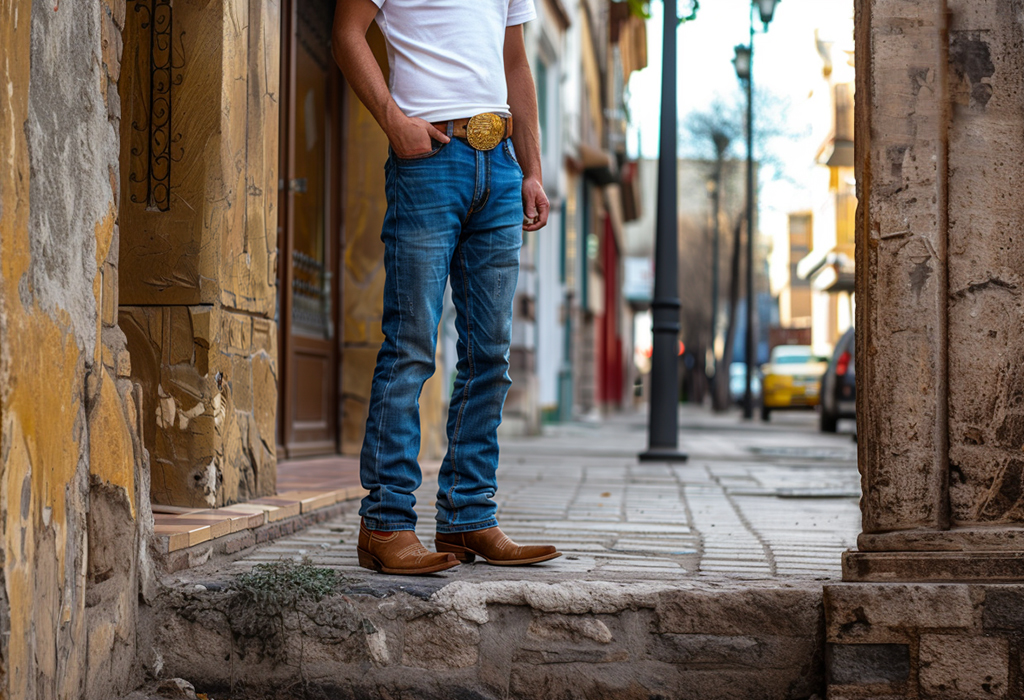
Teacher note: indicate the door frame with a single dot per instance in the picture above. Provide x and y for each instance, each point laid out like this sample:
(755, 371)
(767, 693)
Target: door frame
(287, 447)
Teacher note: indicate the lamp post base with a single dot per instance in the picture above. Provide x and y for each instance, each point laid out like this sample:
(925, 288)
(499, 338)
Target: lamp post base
(663, 454)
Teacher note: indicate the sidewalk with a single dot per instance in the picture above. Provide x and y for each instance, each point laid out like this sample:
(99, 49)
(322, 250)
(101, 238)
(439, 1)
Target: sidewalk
(755, 501)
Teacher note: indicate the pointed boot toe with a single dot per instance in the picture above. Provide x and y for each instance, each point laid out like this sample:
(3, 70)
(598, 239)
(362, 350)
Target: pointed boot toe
(494, 547)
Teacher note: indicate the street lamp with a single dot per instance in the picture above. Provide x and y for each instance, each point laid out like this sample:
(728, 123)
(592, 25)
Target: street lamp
(767, 8)
(744, 63)
(663, 416)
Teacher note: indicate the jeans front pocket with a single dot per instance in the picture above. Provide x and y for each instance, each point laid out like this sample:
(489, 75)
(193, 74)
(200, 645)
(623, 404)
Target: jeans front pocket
(510, 151)
(436, 147)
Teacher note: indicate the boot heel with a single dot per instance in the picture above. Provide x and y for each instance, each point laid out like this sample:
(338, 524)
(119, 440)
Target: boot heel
(368, 561)
(461, 553)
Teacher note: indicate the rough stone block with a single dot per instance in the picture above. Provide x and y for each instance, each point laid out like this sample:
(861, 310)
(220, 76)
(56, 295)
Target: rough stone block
(111, 43)
(182, 339)
(1004, 608)
(619, 681)
(264, 335)
(109, 295)
(868, 664)
(241, 383)
(441, 641)
(742, 651)
(963, 668)
(264, 387)
(117, 10)
(741, 611)
(569, 628)
(203, 328)
(111, 453)
(887, 612)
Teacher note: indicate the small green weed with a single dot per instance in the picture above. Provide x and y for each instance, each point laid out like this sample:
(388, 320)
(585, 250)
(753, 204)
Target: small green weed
(281, 585)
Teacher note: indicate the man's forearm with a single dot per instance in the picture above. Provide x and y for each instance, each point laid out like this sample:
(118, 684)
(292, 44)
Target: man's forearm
(522, 99)
(357, 62)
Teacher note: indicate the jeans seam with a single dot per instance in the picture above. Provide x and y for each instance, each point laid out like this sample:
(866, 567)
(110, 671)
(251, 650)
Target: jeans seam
(487, 183)
(391, 371)
(473, 206)
(466, 386)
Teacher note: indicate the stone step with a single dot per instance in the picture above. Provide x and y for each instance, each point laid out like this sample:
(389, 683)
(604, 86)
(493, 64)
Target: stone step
(422, 637)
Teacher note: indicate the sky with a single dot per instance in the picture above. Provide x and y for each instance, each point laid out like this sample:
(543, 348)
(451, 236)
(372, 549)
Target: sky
(786, 64)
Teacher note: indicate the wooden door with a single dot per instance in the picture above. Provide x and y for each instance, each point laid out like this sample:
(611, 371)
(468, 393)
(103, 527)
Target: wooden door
(309, 230)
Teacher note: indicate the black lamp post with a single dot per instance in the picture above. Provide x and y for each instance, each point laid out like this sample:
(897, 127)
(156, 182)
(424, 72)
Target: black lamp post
(744, 63)
(663, 418)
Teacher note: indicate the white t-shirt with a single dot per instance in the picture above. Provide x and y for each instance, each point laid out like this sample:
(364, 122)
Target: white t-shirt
(446, 56)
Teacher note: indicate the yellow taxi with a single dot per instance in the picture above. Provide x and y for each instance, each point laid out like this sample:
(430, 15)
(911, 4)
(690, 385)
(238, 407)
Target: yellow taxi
(792, 378)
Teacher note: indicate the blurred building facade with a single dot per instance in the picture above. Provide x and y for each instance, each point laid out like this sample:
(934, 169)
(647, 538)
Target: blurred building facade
(828, 268)
(795, 294)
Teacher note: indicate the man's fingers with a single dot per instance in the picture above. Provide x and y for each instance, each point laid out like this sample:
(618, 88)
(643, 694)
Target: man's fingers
(437, 133)
(535, 206)
(543, 215)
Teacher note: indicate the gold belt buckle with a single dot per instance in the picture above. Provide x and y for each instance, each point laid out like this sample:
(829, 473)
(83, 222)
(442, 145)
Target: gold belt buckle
(485, 131)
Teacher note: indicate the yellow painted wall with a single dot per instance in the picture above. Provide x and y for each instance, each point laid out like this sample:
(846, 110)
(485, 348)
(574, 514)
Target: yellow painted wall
(69, 450)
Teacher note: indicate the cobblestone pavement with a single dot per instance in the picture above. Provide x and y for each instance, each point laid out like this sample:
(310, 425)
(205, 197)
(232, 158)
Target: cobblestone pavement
(755, 501)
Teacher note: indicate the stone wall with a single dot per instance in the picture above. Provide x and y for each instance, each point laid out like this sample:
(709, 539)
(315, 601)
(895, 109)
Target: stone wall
(198, 244)
(575, 640)
(74, 482)
(952, 641)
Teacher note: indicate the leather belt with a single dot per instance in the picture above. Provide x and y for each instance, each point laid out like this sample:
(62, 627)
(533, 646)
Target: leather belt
(483, 131)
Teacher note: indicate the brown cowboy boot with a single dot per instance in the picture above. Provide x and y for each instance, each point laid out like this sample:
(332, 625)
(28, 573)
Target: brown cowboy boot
(494, 546)
(399, 552)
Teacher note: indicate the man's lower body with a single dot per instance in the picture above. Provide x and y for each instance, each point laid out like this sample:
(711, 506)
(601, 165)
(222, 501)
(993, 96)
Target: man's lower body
(454, 214)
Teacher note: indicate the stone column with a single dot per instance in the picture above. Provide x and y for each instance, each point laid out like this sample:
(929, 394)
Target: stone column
(926, 610)
(940, 265)
(198, 248)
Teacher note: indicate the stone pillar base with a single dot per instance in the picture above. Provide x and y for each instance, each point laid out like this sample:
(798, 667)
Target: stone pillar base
(923, 641)
(934, 567)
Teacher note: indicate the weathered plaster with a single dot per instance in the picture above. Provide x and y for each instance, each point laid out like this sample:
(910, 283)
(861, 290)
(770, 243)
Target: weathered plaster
(66, 431)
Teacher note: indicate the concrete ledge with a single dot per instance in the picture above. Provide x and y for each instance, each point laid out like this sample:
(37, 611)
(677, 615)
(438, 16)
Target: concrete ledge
(513, 639)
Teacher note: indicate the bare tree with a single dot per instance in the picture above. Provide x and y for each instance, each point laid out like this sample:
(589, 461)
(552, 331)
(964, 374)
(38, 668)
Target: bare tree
(710, 135)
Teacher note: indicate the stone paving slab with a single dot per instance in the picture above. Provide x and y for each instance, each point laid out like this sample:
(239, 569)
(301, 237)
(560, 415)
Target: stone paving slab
(755, 502)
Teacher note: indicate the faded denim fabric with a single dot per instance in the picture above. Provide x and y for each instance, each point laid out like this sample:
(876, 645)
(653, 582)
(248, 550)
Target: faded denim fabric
(454, 212)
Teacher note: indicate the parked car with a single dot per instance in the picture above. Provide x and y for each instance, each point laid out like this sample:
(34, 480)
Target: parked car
(792, 379)
(738, 382)
(839, 384)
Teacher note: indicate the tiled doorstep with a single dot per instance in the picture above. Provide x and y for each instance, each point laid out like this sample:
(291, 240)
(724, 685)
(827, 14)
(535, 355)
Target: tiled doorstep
(183, 528)
(306, 486)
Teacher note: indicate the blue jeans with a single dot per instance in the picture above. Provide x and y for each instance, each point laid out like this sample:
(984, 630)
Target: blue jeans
(453, 214)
